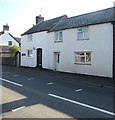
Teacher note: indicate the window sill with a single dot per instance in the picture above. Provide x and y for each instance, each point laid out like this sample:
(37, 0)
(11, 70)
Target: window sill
(83, 63)
(58, 41)
(83, 39)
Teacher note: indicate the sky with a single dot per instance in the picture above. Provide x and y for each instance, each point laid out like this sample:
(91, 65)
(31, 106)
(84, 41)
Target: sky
(20, 14)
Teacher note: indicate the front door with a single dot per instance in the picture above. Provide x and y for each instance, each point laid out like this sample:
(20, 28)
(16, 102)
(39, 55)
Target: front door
(56, 60)
(39, 57)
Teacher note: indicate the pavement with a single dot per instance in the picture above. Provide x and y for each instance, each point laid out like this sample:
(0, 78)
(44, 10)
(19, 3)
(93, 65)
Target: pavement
(70, 77)
(38, 93)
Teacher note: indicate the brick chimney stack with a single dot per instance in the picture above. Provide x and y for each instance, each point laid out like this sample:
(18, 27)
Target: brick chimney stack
(39, 19)
(5, 27)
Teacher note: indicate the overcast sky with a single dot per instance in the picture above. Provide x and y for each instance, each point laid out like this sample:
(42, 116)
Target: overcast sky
(20, 14)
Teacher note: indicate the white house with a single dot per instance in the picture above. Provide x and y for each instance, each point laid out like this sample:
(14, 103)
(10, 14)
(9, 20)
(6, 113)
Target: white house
(34, 48)
(6, 39)
(84, 44)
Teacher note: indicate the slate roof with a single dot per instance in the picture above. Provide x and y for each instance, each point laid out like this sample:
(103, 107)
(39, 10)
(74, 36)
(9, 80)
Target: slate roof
(17, 39)
(102, 16)
(45, 25)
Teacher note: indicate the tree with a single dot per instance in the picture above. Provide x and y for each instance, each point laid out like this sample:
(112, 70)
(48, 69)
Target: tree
(14, 49)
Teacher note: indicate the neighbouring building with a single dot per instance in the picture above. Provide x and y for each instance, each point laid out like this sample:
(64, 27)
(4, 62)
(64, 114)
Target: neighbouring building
(83, 44)
(6, 39)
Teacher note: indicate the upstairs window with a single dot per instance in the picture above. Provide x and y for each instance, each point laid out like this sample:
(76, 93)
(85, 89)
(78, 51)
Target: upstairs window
(82, 33)
(10, 43)
(30, 37)
(83, 57)
(59, 36)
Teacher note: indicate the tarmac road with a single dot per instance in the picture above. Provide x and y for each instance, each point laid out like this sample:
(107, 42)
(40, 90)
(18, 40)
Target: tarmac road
(30, 93)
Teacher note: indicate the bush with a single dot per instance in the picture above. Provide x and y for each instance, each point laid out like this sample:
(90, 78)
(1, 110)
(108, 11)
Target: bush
(14, 49)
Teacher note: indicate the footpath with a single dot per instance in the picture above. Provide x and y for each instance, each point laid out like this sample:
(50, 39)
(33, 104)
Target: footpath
(69, 77)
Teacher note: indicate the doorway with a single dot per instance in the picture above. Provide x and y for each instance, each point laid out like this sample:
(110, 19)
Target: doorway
(56, 60)
(39, 57)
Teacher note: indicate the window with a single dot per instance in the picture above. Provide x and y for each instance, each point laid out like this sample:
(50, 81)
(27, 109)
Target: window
(82, 33)
(30, 53)
(10, 43)
(59, 36)
(83, 57)
(30, 38)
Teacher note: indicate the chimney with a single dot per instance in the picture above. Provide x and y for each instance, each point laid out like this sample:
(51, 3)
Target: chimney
(39, 19)
(5, 27)
(114, 4)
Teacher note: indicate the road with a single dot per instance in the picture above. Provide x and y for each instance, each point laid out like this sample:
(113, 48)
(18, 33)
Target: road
(48, 94)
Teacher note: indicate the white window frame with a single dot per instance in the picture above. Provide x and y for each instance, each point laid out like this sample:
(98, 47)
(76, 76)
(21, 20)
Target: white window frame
(85, 56)
(30, 37)
(82, 30)
(29, 55)
(58, 36)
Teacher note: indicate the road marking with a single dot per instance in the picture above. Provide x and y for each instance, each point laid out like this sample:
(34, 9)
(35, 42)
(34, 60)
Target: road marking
(50, 83)
(11, 82)
(15, 75)
(30, 78)
(78, 90)
(18, 108)
(82, 104)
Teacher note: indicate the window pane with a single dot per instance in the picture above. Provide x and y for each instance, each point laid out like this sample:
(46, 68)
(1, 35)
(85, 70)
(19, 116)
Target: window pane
(56, 36)
(80, 29)
(86, 33)
(88, 57)
(60, 35)
(80, 59)
(29, 53)
(9, 42)
(29, 37)
(83, 57)
(80, 53)
(80, 35)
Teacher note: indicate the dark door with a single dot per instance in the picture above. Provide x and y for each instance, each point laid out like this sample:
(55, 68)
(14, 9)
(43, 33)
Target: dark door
(39, 57)
(114, 48)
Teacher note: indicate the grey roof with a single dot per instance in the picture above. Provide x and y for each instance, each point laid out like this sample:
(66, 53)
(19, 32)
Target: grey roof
(102, 16)
(44, 25)
(19, 41)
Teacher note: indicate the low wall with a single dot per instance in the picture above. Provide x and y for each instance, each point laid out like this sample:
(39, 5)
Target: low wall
(8, 61)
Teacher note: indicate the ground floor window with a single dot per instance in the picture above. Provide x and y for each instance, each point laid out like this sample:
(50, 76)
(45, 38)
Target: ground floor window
(83, 57)
(30, 53)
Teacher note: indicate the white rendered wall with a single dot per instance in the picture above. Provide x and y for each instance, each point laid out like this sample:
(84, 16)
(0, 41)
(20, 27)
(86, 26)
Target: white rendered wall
(4, 38)
(100, 44)
(39, 41)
